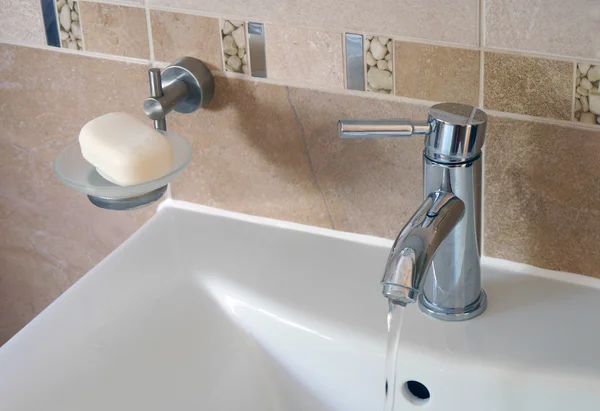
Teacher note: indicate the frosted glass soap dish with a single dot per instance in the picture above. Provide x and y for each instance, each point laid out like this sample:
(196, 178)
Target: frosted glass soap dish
(75, 172)
(184, 87)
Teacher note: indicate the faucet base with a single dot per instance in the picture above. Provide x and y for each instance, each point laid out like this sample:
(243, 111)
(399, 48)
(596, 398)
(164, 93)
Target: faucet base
(466, 313)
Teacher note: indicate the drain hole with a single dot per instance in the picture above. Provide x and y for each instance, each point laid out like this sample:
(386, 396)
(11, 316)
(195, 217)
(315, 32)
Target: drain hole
(416, 392)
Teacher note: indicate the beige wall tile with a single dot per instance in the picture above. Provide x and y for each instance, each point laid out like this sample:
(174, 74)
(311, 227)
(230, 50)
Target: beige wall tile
(113, 29)
(310, 56)
(249, 155)
(176, 35)
(437, 73)
(62, 92)
(21, 20)
(452, 21)
(544, 26)
(371, 186)
(528, 85)
(51, 235)
(542, 205)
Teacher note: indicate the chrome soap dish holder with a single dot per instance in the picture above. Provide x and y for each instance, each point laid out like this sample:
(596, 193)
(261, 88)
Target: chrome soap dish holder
(184, 86)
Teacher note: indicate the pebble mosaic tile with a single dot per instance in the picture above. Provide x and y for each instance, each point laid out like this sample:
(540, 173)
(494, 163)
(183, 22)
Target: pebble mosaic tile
(379, 62)
(235, 55)
(70, 34)
(587, 97)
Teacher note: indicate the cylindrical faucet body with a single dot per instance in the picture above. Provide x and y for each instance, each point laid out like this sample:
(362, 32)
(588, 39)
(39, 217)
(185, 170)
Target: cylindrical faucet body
(453, 280)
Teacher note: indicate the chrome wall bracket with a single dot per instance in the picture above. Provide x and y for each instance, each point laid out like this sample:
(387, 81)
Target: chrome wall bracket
(184, 86)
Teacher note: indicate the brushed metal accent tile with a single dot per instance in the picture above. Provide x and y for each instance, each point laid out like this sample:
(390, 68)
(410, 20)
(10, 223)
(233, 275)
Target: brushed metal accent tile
(50, 23)
(258, 61)
(355, 62)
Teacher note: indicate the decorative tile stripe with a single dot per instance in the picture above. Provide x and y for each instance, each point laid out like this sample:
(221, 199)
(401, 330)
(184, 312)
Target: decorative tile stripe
(587, 97)
(235, 57)
(70, 28)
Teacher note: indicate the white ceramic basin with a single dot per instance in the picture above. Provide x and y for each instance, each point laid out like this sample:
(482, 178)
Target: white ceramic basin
(207, 310)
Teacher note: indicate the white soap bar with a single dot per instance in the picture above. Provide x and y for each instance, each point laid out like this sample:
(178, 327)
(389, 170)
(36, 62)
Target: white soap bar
(125, 150)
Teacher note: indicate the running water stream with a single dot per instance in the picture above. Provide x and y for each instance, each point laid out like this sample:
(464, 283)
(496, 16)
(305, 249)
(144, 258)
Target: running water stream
(394, 323)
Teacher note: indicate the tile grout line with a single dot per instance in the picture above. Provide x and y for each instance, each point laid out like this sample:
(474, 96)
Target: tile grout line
(221, 22)
(150, 37)
(344, 62)
(82, 53)
(573, 89)
(365, 66)
(248, 59)
(118, 3)
(393, 67)
(481, 78)
(81, 26)
(481, 28)
(310, 163)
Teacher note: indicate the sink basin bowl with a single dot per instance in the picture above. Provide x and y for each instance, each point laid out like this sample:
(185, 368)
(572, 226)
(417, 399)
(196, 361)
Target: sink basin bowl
(203, 309)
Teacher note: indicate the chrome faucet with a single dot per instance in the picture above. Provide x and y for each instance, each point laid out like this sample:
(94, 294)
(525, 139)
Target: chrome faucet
(436, 257)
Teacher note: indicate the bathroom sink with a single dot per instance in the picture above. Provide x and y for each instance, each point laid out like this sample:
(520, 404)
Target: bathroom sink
(203, 309)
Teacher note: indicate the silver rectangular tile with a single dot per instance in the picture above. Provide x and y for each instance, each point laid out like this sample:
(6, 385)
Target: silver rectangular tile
(355, 62)
(256, 39)
(50, 23)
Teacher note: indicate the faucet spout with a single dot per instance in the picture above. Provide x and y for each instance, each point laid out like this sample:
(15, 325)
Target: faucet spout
(416, 245)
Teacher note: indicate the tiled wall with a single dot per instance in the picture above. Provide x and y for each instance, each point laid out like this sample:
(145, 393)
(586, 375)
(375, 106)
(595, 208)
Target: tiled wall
(527, 58)
(268, 146)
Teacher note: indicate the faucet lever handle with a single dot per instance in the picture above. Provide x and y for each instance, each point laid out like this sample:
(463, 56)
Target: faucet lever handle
(381, 128)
